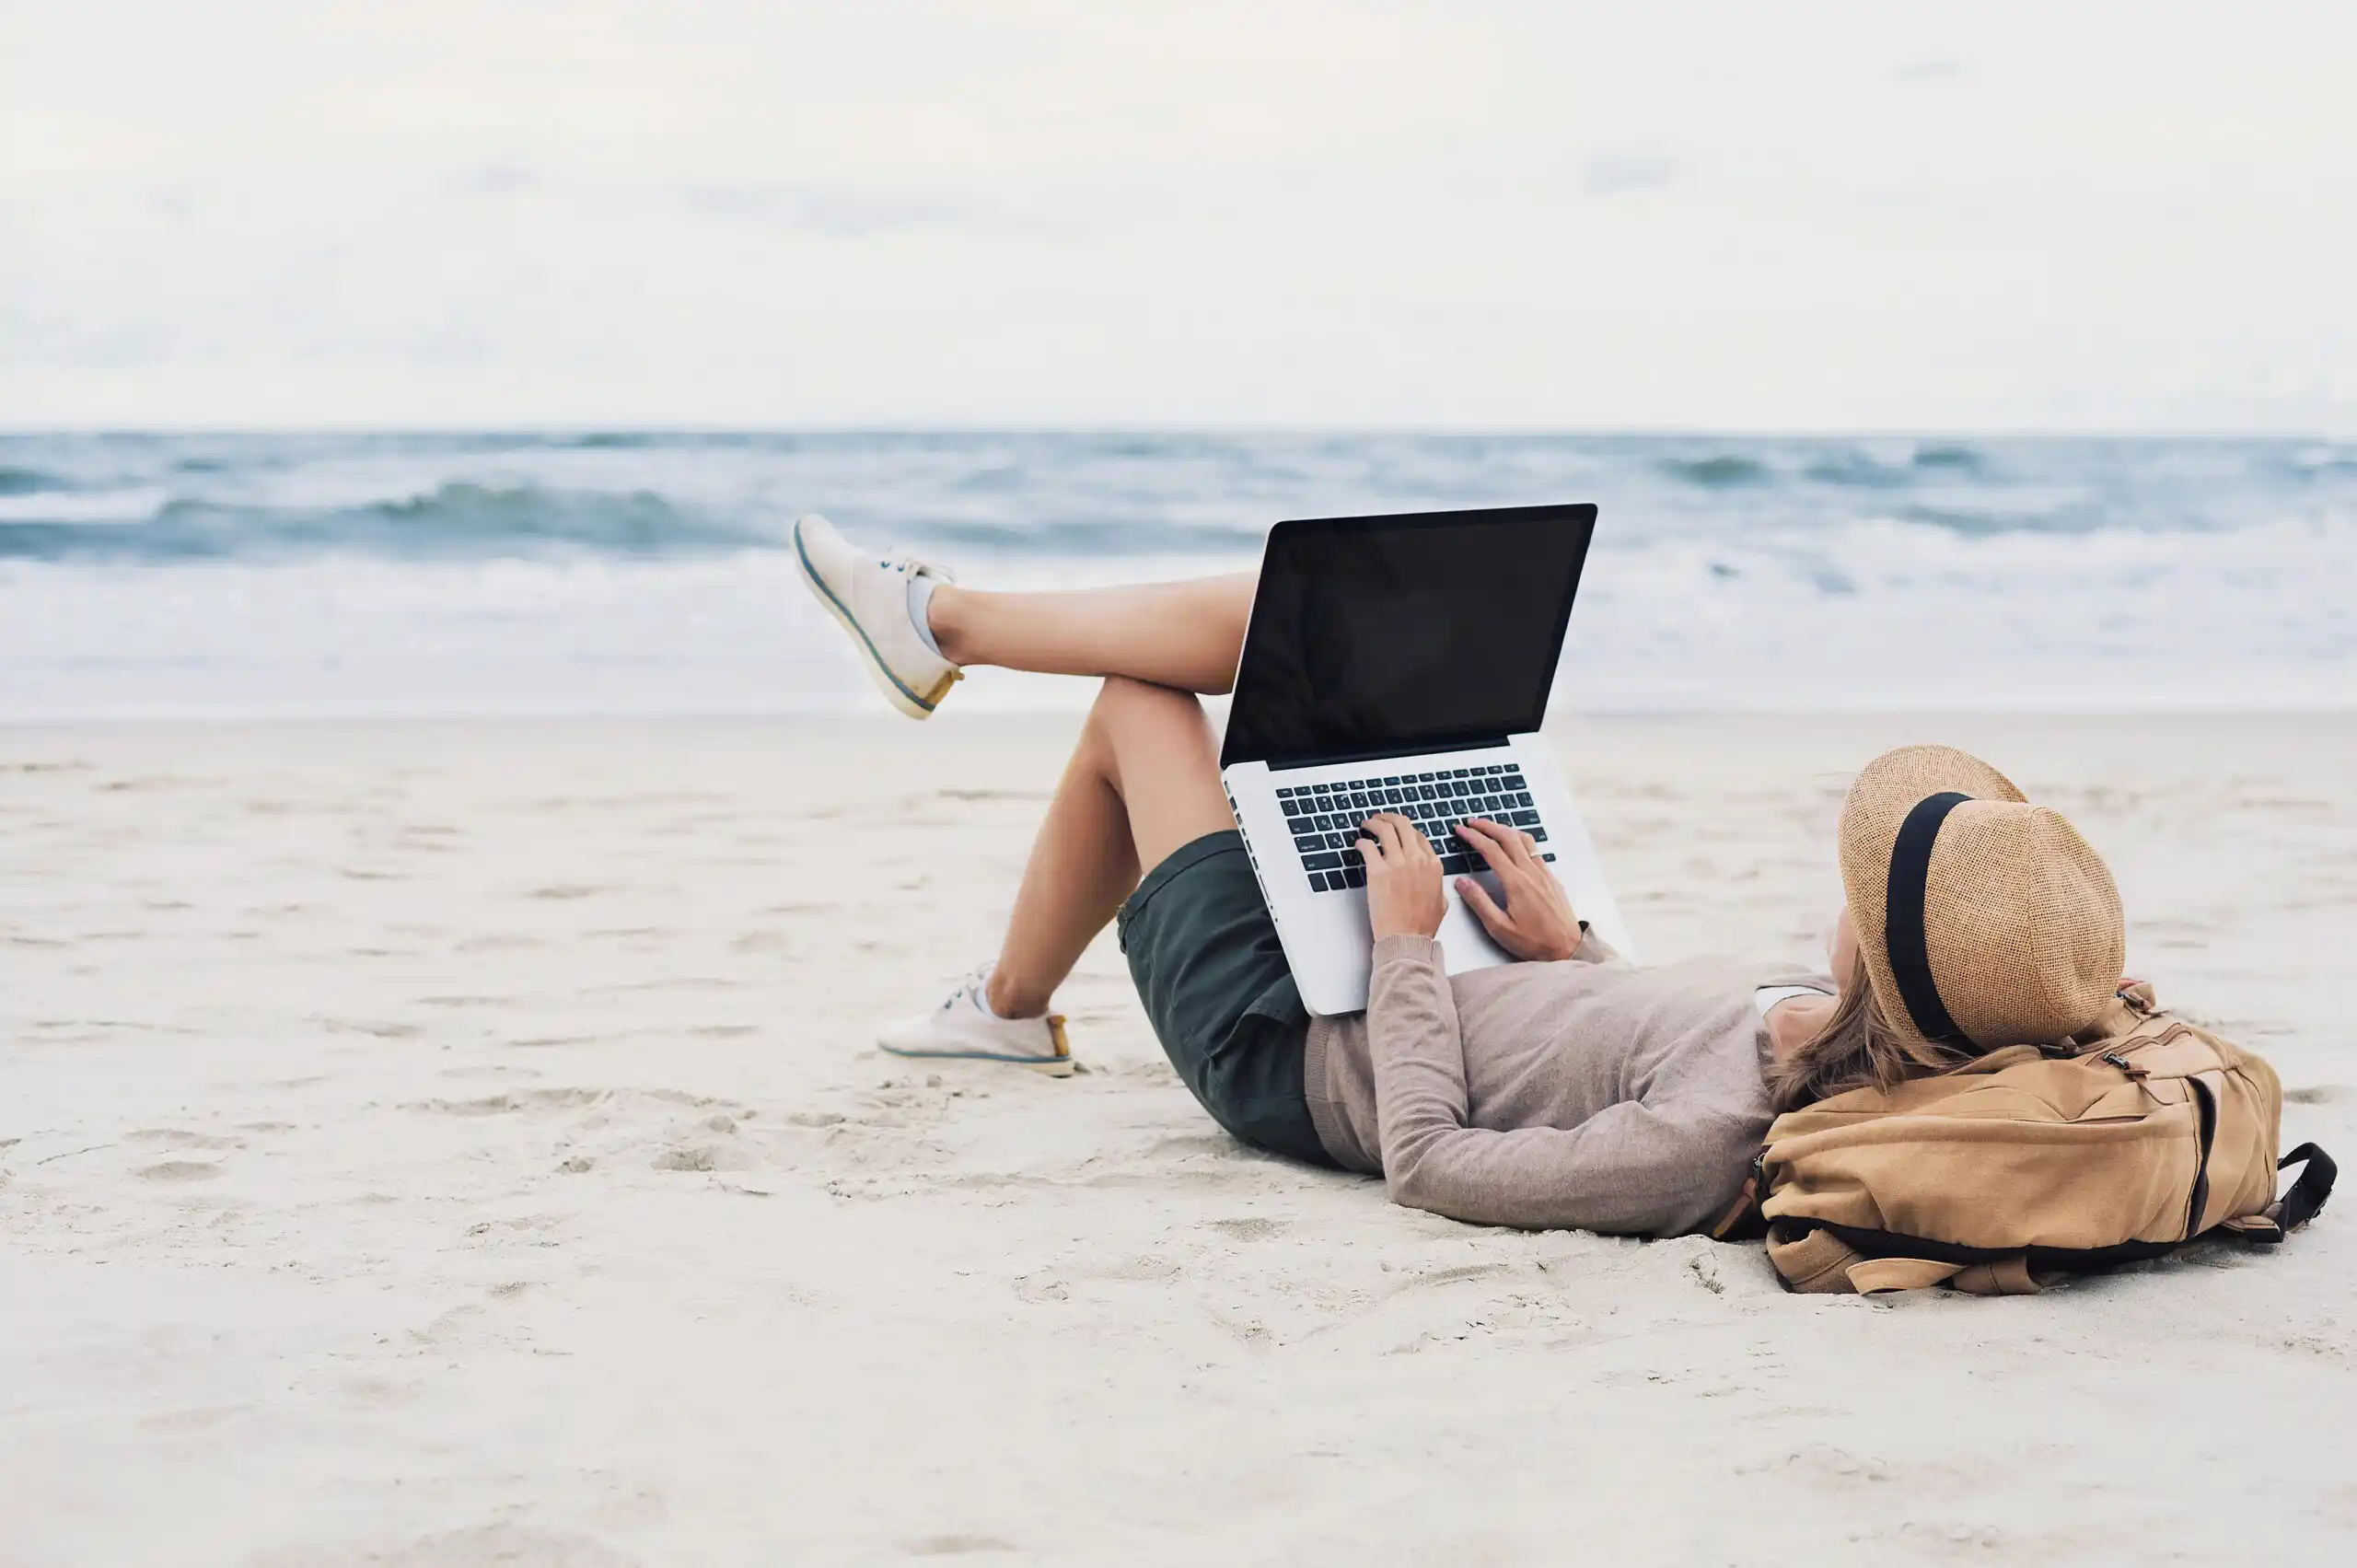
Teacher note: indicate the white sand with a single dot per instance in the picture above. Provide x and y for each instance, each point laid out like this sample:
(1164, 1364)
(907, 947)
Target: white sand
(461, 1146)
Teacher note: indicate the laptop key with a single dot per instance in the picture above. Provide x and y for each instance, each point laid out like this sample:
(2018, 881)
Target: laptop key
(1354, 875)
(1329, 861)
(1524, 819)
(1308, 844)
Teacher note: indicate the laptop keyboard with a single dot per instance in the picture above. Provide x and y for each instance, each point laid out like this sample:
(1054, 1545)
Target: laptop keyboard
(1325, 817)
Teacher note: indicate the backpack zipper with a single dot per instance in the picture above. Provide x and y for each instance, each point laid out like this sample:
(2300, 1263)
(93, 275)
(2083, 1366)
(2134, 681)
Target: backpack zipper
(2205, 1103)
(2199, 1198)
(2116, 1055)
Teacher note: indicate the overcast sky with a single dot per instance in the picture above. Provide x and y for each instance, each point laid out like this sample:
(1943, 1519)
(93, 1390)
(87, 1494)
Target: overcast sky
(1966, 217)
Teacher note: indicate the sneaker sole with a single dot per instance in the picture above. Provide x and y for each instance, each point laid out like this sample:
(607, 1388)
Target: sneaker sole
(913, 703)
(1057, 1066)
(1054, 1066)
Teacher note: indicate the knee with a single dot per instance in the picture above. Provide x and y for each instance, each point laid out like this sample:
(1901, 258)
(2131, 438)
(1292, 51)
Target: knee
(1122, 702)
(1136, 719)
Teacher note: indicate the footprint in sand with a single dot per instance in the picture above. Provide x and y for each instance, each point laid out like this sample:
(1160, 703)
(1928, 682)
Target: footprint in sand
(1250, 1229)
(957, 1545)
(182, 1171)
(176, 1138)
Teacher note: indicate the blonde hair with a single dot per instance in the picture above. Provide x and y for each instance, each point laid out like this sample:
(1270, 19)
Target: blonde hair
(1858, 1048)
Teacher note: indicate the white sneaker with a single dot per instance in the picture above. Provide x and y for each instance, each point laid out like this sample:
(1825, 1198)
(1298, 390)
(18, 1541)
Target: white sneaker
(869, 594)
(962, 1029)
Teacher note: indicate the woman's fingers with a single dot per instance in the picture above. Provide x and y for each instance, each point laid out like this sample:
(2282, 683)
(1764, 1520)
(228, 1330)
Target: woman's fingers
(1389, 831)
(1495, 843)
(1480, 903)
(1514, 840)
(1413, 839)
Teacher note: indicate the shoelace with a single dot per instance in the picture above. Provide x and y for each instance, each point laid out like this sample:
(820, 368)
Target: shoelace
(968, 989)
(900, 558)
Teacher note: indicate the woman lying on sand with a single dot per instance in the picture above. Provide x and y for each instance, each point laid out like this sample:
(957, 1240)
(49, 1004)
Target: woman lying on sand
(1570, 1090)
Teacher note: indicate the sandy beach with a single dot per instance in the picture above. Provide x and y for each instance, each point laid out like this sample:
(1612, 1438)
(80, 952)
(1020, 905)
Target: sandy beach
(461, 1144)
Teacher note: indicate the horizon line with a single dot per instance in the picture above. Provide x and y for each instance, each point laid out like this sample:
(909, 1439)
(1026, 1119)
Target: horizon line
(889, 428)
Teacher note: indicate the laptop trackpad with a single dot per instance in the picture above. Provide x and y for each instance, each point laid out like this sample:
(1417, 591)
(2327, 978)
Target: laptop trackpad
(1463, 936)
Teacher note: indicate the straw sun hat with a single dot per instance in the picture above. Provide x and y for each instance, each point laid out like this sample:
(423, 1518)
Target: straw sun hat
(1984, 920)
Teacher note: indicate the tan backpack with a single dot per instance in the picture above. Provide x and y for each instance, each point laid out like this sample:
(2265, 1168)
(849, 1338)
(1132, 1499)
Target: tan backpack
(2140, 1134)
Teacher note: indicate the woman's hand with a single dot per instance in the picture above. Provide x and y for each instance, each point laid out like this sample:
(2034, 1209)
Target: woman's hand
(1403, 893)
(1536, 922)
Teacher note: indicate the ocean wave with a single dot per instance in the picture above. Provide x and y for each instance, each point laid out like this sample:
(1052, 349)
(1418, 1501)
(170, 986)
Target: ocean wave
(1977, 522)
(28, 481)
(459, 520)
(1083, 541)
(1858, 471)
(1081, 496)
(1858, 468)
(83, 509)
(1876, 613)
(1722, 472)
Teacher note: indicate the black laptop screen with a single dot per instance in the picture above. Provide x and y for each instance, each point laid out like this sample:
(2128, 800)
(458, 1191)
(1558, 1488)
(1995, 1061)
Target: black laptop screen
(1375, 635)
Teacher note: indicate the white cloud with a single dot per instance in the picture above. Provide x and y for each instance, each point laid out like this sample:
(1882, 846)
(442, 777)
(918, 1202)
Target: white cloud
(2100, 215)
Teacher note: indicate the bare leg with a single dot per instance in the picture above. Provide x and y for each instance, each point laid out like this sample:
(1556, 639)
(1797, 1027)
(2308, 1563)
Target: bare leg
(1186, 636)
(1144, 780)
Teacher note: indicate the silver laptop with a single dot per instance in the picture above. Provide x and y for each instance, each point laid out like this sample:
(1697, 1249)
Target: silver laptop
(1403, 664)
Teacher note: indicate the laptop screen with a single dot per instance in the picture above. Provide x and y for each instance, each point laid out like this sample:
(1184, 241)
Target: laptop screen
(1388, 635)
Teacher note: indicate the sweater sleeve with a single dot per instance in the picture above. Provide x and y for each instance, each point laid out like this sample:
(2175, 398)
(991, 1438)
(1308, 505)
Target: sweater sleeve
(1632, 1168)
(1593, 949)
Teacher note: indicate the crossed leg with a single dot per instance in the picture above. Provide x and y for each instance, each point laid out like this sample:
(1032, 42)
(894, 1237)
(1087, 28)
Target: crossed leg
(1145, 778)
(1185, 635)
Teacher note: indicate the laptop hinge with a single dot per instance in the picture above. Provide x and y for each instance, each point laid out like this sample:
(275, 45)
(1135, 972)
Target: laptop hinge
(1384, 753)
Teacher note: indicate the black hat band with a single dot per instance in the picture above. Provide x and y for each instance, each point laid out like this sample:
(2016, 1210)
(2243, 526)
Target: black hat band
(1902, 925)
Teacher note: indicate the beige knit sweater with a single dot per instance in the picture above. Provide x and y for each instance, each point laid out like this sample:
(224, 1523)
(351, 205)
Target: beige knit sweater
(1588, 1093)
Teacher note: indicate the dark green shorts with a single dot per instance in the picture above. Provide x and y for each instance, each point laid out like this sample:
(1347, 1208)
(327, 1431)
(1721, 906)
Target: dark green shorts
(1206, 958)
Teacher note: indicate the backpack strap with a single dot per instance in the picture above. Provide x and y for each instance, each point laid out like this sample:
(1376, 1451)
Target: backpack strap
(1816, 1263)
(1874, 1275)
(2298, 1205)
(2006, 1276)
(2306, 1197)
(1821, 1263)
(1743, 1220)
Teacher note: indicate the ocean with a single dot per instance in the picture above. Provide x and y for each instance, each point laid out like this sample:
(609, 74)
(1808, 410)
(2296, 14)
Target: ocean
(217, 576)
